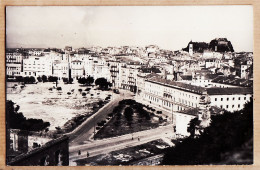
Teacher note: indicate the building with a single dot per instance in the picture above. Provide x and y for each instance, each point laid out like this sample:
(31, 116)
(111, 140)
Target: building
(115, 72)
(14, 63)
(129, 78)
(176, 96)
(37, 66)
(77, 69)
(61, 69)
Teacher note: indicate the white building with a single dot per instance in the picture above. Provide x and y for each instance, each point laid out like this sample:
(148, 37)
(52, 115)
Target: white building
(115, 72)
(37, 66)
(182, 121)
(14, 64)
(60, 69)
(176, 96)
(77, 69)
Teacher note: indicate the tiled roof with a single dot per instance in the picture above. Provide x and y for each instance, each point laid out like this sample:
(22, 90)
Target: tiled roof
(200, 90)
(232, 80)
(186, 77)
(179, 85)
(229, 91)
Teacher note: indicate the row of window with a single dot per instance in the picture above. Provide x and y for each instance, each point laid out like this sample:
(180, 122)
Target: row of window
(13, 68)
(221, 99)
(168, 104)
(231, 106)
(13, 73)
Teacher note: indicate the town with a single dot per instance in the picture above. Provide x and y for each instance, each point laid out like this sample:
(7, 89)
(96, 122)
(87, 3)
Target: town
(110, 106)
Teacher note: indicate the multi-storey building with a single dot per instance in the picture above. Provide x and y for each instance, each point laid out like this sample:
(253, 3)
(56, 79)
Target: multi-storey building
(37, 66)
(61, 69)
(129, 76)
(14, 64)
(77, 69)
(176, 96)
(115, 72)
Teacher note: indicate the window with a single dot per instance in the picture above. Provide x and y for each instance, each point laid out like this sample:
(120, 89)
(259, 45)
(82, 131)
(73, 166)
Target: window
(233, 98)
(215, 99)
(227, 99)
(239, 98)
(227, 106)
(239, 106)
(221, 106)
(233, 106)
(221, 99)
(244, 98)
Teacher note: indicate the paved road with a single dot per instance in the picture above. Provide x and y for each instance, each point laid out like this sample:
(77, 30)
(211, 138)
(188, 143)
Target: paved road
(84, 132)
(98, 147)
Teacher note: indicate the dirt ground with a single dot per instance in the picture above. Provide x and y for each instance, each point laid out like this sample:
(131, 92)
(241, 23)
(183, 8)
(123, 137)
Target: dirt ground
(54, 106)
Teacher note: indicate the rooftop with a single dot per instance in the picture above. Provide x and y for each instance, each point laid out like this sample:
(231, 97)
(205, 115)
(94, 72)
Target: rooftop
(232, 80)
(200, 90)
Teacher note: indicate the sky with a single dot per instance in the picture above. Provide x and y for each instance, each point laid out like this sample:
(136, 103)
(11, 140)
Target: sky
(169, 27)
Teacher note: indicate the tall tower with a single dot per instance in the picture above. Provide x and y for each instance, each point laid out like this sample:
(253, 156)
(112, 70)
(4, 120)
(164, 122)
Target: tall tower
(191, 49)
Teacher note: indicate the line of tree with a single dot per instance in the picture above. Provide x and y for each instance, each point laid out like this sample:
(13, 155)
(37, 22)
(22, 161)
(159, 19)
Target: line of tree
(26, 80)
(102, 83)
(31, 79)
(44, 79)
(86, 81)
(16, 119)
(228, 140)
(67, 80)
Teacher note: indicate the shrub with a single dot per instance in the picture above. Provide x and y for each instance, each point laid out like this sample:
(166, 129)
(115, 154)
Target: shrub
(52, 79)
(44, 78)
(39, 79)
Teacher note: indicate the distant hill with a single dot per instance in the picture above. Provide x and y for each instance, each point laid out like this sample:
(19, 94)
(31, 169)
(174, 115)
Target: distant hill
(217, 44)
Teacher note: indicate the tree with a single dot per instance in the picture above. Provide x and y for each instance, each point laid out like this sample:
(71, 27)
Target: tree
(52, 79)
(44, 78)
(16, 120)
(102, 83)
(228, 136)
(29, 80)
(193, 126)
(39, 79)
(82, 80)
(19, 79)
(65, 80)
(129, 113)
(89, 80)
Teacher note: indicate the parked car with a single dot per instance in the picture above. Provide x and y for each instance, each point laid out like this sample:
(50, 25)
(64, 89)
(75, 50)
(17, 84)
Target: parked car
(116, 91)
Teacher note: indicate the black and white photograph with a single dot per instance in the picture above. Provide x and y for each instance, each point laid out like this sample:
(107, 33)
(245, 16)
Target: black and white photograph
(129, 85)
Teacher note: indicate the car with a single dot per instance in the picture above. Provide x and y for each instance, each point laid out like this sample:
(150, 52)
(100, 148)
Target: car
(116, 91)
